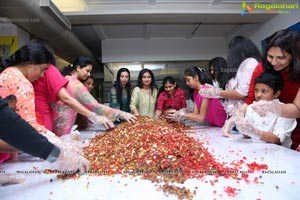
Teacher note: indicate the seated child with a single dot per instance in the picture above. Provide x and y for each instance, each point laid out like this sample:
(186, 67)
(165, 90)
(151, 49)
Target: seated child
(269, 128)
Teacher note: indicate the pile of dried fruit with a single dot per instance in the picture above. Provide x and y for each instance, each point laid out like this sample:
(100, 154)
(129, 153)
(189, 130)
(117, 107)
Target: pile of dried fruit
(156, 150)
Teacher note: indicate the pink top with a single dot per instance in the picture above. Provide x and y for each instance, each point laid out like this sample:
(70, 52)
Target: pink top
(13, 82)
(46, 89)
(216, 114)
(6, 156)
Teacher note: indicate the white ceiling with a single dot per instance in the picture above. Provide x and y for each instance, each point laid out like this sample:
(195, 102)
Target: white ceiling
(96, 20)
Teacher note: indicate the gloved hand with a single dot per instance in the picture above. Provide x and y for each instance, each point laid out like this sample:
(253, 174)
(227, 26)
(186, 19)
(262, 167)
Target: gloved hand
(246, 128)
(9, 178)
(71, 137)
(228, 126)
(263, 107)
(237, 114)
(70, 162)
(177, 115)
(97, 119)
(72, 145)
(210, 91)
(127, 116)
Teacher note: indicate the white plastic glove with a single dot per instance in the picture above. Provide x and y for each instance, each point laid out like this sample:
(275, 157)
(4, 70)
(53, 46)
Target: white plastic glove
(72, 145)
(237, 114)
(97, 119)
(210, 91)
(71, 137)
(263, 107)
(127, 116)
(9, 178)
(228, 126)
(177, 115)
(246, 128)
(69, 162)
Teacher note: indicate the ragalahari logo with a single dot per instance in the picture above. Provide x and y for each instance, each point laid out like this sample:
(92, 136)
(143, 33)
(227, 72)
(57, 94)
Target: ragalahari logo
(246, 8)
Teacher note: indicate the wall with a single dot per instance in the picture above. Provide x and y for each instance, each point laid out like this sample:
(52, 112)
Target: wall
(162, 49)
(9, 29)
(259, 32)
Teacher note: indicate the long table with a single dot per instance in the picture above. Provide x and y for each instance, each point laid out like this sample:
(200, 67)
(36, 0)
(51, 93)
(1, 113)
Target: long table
(280, 181)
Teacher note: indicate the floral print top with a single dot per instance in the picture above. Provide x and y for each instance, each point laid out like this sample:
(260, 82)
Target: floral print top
(13, 82)
(166, 101)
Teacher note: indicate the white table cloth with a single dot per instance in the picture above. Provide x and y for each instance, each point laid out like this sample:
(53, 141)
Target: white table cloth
(283, 185)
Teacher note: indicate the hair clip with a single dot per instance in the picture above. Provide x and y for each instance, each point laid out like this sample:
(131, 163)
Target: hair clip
(201, 69)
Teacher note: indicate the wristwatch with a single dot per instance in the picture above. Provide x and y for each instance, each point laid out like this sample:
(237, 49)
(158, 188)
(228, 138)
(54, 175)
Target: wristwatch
(52, 157)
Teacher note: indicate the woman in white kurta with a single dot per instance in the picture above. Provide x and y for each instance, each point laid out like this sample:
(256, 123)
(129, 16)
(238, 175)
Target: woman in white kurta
(144, 95)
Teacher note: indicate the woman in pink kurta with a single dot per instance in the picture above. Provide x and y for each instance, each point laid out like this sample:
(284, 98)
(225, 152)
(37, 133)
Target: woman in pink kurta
(46, 91)
(64, 116)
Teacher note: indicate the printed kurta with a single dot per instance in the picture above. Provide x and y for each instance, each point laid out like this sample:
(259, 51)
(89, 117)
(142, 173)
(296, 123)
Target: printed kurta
(64, 116)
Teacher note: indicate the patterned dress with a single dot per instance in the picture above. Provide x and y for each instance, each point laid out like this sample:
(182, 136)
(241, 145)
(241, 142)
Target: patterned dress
(64, 116)
(166, 101)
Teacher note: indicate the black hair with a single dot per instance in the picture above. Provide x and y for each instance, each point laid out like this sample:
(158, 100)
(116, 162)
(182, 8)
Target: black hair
(119, 89)
(80, 61)
(240, 48)
(10, 98)
(289, 41)
(203, 75)
(167, 79)
(219, 65)
(140, 82)
(89, 77)
(47, 45)
(274, 81)
(33, 53)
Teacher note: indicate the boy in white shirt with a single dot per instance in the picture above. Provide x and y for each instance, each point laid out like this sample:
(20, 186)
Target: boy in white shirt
(270, 127)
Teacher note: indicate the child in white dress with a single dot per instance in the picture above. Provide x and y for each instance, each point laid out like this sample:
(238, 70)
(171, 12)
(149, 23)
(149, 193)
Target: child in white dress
(270, 127)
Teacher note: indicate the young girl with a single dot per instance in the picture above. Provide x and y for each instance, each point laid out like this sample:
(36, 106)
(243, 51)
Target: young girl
(82, 122)
(170, 97)
(143, 98)
(205, 110)
(217, 67)
(64, 116)
(120, 93)
(89, 83)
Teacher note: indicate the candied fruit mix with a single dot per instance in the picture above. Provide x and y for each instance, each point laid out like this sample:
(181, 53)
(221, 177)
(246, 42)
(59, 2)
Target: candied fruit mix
(156, 150)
